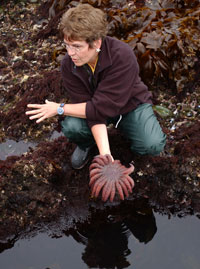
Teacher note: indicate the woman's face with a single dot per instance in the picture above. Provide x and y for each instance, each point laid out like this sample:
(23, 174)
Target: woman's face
(81, 53)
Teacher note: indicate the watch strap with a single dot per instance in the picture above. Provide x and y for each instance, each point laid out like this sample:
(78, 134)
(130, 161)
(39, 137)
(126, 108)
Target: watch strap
(60, 109)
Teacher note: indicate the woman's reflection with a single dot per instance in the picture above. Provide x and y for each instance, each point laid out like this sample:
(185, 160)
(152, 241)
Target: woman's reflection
(106, 235)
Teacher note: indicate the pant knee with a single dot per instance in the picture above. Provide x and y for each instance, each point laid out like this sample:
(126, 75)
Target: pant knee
(149, 147)
(70, 127)
(77, 131)
(155, 147)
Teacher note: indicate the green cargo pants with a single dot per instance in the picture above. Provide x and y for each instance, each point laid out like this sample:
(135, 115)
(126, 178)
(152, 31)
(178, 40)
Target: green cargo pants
(140, 126)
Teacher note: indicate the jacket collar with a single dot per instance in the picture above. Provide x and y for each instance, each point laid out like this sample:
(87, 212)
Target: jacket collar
(104, 56)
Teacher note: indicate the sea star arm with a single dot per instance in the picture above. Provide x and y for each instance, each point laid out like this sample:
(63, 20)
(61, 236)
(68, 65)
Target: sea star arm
(108, 176)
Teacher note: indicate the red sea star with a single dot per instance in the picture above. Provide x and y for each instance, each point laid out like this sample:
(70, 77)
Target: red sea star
(108, 175)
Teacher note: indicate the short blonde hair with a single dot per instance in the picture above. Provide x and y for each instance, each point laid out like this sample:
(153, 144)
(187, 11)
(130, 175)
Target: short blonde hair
(84, 22)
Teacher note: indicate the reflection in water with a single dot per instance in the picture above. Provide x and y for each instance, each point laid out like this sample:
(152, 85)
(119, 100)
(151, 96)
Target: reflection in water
(105, 241)
(106, 236)
(7, 244)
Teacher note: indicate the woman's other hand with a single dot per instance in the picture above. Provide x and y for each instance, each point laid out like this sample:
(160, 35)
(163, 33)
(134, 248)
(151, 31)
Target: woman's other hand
(42, 112)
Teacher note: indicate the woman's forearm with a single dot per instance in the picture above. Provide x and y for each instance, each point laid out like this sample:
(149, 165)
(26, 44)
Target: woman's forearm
(75, 110)
(100, 134)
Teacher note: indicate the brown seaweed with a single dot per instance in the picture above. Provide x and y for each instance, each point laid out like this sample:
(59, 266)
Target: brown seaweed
(40, 184)
(164, 36)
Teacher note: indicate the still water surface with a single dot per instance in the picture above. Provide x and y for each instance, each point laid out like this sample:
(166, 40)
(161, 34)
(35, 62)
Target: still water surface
(176, 244)
(16, 148)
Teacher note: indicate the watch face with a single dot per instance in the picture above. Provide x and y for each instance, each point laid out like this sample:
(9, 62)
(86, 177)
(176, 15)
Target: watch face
(60, 110)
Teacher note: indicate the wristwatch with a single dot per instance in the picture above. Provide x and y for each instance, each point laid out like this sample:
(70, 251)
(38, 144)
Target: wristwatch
(60, 109)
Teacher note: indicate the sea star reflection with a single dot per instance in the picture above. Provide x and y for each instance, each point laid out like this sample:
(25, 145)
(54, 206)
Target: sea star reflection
(110, 177)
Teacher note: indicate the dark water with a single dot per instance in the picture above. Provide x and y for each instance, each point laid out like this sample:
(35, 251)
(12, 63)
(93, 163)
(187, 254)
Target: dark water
(14, 148)
(176, 245)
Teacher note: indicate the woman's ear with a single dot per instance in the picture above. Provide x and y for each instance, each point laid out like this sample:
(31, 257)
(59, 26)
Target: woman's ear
(97, 45)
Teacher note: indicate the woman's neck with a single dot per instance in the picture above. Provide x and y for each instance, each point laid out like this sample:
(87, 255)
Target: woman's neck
(93, 61)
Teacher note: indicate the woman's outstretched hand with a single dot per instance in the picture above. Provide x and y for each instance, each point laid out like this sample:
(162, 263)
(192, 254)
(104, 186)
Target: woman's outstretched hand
(42, 112)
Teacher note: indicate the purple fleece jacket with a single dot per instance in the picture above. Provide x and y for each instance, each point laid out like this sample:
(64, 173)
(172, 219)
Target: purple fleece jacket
(118, 89)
